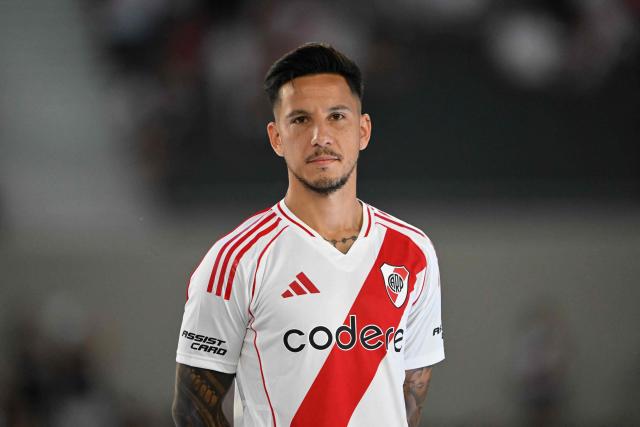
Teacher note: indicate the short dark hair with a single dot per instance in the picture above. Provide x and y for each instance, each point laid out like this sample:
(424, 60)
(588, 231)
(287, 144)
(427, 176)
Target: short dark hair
(312, 58)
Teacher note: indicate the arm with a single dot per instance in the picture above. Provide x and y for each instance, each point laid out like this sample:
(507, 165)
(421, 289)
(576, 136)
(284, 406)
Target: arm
(198, 397)
(416, 383)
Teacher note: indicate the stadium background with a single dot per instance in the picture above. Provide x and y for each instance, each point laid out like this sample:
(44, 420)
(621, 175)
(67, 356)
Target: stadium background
(132, 136)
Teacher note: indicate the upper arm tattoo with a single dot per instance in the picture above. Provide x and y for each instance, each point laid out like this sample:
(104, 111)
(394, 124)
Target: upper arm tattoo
(198, 397)
(416, 384)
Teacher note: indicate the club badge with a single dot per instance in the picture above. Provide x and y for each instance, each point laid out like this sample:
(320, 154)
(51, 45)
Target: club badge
(396, 280)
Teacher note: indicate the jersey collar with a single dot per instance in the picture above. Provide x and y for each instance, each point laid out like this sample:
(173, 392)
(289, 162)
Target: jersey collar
(283, 211)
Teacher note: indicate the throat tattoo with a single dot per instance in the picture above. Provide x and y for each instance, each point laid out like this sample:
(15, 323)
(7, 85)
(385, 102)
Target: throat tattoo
(344, 240)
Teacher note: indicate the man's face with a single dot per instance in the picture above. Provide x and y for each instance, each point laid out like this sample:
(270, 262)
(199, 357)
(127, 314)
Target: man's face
(319, 130)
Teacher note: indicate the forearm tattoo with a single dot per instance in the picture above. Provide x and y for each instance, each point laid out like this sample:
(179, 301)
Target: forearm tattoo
(416, 384)
(198, 397)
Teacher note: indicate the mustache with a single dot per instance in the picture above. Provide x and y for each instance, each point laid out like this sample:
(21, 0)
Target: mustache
(323, 152)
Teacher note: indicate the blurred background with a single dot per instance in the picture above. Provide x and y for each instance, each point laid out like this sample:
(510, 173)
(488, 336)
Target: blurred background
(132, 136)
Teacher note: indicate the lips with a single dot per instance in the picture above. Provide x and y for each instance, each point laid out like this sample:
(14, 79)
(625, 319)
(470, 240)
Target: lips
(323, 156)
(322, 159)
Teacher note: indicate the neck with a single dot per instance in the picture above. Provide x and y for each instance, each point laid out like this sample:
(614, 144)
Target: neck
(333, 215)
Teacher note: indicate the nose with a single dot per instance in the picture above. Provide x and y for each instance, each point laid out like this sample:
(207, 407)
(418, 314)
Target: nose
(321, 135)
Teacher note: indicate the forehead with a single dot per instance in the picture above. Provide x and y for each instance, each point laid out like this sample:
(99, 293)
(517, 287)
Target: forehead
(316, 90)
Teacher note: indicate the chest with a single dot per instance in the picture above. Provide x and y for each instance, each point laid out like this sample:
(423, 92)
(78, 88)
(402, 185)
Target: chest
(309, 286)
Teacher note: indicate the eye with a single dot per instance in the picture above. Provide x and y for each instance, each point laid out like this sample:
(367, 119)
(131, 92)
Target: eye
(299, 120)
(336, 116)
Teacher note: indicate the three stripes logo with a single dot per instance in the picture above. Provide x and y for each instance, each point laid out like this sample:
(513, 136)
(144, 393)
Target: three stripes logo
(301, 286)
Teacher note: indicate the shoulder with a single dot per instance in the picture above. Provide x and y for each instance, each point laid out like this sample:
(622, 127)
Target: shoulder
(385, 220)
(250, 231)
(236, 249)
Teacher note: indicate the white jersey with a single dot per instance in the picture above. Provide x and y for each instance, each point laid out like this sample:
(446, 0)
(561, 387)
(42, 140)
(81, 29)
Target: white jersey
(315, 337)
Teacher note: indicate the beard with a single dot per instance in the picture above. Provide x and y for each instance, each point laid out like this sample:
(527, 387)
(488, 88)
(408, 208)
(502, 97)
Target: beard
(326, 186)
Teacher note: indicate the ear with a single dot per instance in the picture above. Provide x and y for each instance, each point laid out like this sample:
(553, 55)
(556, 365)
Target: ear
(365, 130)
(274, 138)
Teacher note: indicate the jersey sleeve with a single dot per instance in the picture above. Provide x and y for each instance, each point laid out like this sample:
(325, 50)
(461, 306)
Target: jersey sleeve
(425, 345)
(213, 328)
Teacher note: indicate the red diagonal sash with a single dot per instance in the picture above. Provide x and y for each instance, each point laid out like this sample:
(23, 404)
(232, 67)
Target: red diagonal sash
(346, 375)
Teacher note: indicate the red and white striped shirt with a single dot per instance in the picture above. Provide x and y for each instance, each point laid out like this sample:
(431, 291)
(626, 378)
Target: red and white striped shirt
(315, 337)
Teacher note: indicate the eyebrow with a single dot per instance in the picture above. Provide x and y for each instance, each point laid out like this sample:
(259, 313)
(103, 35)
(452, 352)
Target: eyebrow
(300, 112)
(297, 113)
(340, 108)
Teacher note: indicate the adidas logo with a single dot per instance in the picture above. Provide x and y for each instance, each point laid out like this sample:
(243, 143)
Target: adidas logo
(301, 286)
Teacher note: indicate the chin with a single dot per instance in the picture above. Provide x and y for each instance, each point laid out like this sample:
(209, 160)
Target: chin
(323, 181)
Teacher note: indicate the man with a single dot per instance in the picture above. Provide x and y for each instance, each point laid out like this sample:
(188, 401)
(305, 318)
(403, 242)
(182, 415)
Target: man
(325, 309)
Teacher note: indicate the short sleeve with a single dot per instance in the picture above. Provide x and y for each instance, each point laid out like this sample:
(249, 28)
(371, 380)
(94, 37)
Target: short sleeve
(213, 328)
(424, 343)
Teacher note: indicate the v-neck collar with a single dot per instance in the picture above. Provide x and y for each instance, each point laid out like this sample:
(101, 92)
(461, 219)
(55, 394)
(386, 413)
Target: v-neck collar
(301, 227)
